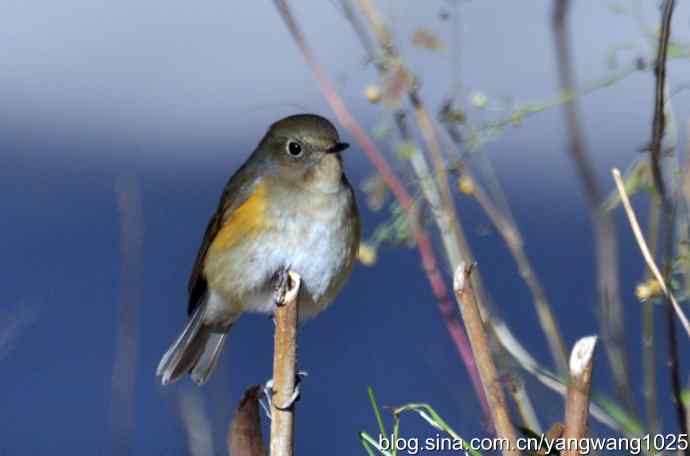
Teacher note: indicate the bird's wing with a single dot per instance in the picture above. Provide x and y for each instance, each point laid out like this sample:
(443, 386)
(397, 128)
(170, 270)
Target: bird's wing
(238, 190)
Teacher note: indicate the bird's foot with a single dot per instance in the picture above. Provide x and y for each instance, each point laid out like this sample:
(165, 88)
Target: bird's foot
(269, 392)
(281, 285)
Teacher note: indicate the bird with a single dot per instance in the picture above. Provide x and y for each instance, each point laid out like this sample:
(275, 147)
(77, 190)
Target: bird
(288, 207)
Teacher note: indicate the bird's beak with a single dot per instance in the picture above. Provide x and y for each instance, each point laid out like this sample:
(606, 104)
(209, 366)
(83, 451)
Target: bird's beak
(338, 147)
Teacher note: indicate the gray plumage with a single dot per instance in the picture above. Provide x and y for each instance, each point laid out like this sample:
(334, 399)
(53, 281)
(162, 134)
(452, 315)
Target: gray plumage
(300, 213)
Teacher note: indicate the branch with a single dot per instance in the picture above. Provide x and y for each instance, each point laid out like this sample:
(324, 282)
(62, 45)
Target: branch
(577, 402)
(518, 392)
(673, 362)
(131, 212)
(552, 381)
(424, 245)
(482, 354)
(437, 191)
(528, 109)
(244, 435)
(196, 423)
(284, 368)
(646, 254)
(659, 121)
(658, 130)
(649, 355)
(435, 187)
(604, 233)
(511, 236)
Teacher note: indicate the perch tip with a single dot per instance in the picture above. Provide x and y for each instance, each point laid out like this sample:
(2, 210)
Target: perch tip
(581, 355)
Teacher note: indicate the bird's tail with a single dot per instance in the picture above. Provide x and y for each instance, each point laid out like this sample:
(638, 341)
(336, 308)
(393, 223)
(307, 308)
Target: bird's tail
(196, 351)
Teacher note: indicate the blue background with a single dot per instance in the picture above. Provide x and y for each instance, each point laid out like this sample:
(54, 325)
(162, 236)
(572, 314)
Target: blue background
(178, 95)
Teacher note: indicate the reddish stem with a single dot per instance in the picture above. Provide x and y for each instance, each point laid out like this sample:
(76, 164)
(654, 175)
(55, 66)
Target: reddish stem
(424, 245)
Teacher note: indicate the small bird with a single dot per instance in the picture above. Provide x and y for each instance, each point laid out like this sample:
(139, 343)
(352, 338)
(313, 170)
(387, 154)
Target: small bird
(289, 206)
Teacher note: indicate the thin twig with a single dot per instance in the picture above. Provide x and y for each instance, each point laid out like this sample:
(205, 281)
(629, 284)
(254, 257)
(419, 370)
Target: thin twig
(525, 110)
(434, 186)
(659, 120)
(646, 254)
(649, 356)
(424, 245)
(656, 152)
(445, 214)
(435, 191)
(673, 306)
(196, 423)
(577, 402)
(285, 369)
(673, 365)
(687, 410)
(131, 211)
(511, 235)
(549, 379)
(604, 233)
(517, 390)
(482, 353)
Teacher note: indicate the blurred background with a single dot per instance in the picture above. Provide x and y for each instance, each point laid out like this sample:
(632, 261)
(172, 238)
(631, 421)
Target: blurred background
(140, 111)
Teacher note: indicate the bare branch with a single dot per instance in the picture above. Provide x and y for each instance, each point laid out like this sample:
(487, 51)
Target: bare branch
(656, 152)
(646, 254)
(548, 378)
(435, 187)
(659, 121)
(511, 235)
(515, 386)
(285, 369)
(482, 353)
(649, 356)
(131, 212)
(671, 307)
(611, 309)
(196, 423)
(577, 401)
(426, 251)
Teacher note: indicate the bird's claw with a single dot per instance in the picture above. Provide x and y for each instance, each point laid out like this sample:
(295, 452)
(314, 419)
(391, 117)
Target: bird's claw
(290, 402)
(269, 392)
(281, 284)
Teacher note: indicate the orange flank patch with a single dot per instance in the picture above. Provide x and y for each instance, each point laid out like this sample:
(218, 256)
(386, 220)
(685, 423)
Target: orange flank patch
(246, 220)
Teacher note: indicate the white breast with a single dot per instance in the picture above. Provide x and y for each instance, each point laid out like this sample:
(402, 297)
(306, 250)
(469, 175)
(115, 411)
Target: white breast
(314, 241)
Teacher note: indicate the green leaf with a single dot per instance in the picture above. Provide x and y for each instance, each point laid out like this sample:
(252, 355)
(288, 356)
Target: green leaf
(367, 445)
(366, 439)
(630, 425)
(377, 411)
(434, 419)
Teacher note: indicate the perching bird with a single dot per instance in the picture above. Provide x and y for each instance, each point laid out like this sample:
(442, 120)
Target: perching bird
(289, 206)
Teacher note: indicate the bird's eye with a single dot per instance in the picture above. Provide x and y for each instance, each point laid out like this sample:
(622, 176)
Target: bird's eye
(294, 148)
